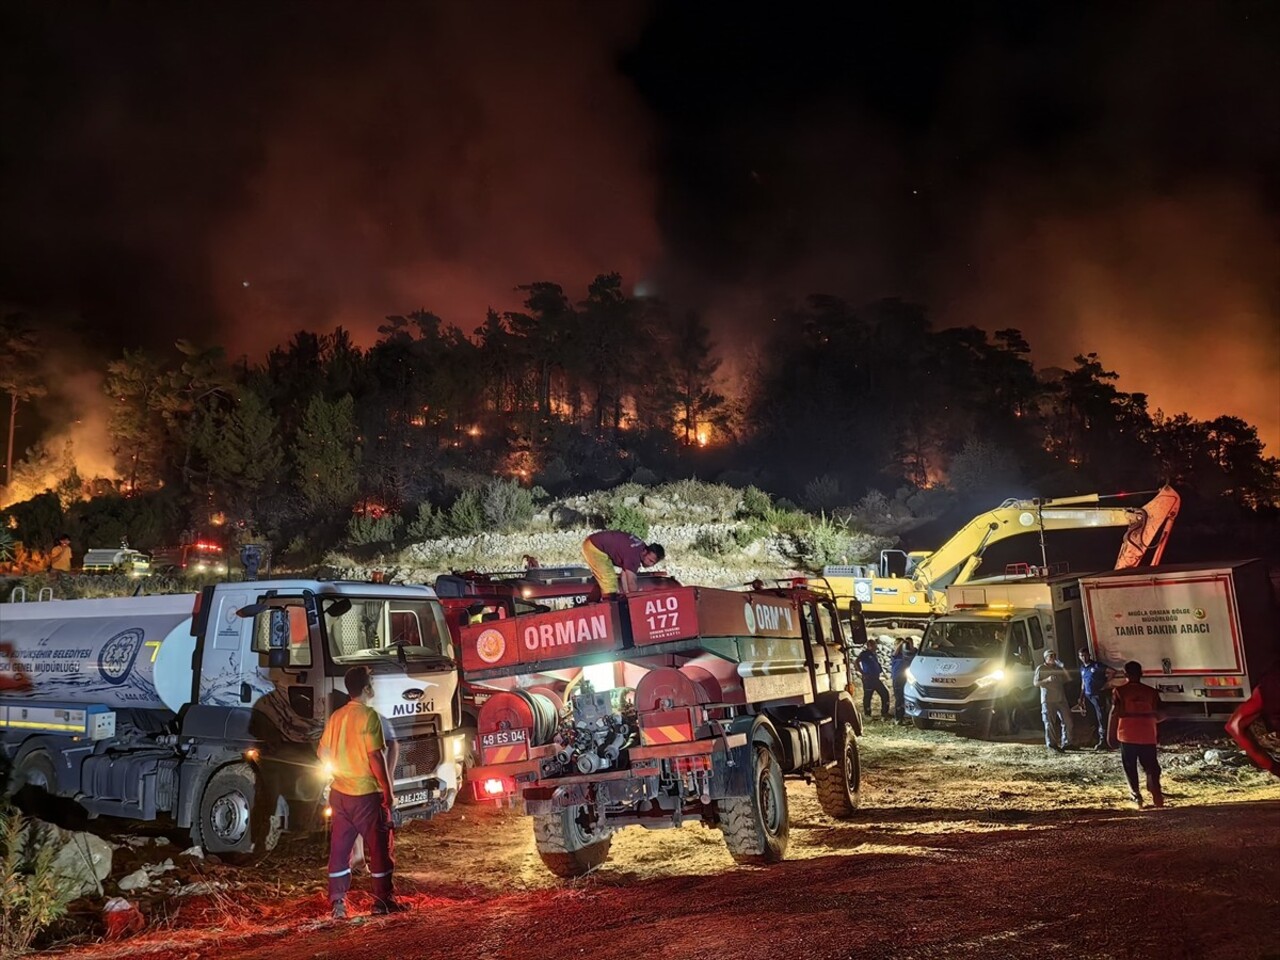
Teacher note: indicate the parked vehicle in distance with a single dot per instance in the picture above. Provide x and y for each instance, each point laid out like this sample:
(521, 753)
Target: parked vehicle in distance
(120, 559)
(200, 558)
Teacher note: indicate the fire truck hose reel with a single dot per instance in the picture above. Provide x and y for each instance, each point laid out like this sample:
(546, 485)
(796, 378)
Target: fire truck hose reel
(521, 710)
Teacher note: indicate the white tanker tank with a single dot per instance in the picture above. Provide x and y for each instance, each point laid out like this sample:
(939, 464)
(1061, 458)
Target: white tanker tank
(126, 653)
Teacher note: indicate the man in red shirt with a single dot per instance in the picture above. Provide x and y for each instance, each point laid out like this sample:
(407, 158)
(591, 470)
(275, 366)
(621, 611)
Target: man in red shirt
(1135, 711)
(1256, 723)
(607, 549)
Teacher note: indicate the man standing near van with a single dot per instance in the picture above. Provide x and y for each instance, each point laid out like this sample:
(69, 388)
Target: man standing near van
(1051, 678)
(360, 795)
(869, 669)
(1093, 689)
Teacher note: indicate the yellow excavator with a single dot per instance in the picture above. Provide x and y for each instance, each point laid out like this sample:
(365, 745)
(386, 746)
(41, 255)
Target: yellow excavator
(913, 585)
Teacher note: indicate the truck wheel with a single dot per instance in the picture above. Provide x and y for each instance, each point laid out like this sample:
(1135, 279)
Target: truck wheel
(235, 820)
(756, 827)
(920, 723)
(567, 846)
(34, 770)
(837, 783)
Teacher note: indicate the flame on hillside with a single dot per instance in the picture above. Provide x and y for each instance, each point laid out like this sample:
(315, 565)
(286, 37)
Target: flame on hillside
(78, 445)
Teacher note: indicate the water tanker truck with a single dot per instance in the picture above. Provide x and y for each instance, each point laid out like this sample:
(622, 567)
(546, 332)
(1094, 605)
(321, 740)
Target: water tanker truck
(691, 704)
(203, 710)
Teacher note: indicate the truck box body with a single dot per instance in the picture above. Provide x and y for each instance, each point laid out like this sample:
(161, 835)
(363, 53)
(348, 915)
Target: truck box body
(1204, 634)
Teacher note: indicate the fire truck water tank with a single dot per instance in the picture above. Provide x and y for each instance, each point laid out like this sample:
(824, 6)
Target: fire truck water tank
(127, 653)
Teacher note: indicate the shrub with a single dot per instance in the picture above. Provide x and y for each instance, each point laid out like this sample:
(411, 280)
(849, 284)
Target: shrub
(644, 476)
(756, 504)
(507, 506)
(622, 516)
(713, 500)
(7, 545)
(714, 542)
(745, 534)
(466, 516)
(824, 541)
(31, 896)
(427, 525)
(821, 494)
(367, 531)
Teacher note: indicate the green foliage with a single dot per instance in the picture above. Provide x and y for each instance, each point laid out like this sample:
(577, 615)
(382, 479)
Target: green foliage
(983, 469)
(623, 516)
(507, 506)
(7, 545)
(714, 542)
(327, 455)
(244, 451)
(825, 540)
(822, 494)
(756, 504)
(749, 531)
(366, 531)
(711, 501)
(37, 522)
(429, 524)
(466, 516)
(31, 895)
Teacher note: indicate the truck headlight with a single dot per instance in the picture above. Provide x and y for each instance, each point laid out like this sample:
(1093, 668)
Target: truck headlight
(990, 680)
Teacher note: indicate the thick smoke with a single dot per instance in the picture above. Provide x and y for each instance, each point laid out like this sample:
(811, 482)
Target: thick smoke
(438, 165)
(1179, 295)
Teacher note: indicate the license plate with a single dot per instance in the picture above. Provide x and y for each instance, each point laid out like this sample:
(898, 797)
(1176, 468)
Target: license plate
(502, 738)
(940, 715)
(412, 799)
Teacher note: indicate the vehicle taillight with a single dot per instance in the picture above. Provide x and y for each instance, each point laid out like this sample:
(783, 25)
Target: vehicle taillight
(495, 787)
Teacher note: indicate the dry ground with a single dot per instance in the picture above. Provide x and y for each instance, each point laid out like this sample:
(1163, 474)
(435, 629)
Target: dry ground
(962, 849)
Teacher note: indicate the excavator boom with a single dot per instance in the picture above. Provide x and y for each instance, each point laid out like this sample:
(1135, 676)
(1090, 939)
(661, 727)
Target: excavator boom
(923, 590)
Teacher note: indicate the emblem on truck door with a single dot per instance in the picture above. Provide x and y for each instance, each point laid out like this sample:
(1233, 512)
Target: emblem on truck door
(491, 645)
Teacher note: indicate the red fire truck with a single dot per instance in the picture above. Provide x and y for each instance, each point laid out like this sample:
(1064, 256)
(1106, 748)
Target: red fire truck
(691, 703)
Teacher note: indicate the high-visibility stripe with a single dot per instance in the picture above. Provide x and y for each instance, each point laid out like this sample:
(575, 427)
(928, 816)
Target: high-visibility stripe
(37, 725)
(667, 734)
(379, 876)
(505, 753)
(340, 873)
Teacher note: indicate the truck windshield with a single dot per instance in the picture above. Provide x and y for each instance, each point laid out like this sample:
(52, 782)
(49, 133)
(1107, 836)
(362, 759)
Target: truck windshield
(370, 629)
(963, 638)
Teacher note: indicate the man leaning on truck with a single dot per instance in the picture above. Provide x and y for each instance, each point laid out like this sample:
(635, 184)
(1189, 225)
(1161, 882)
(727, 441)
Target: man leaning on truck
(360, 795)
(606, 549)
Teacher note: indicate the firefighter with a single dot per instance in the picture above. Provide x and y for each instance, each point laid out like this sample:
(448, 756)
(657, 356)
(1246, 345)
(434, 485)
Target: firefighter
(868, 667)
(60, 556)
(606, 549)
(360, 796)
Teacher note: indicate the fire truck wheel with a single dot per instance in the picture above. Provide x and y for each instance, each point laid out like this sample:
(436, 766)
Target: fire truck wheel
(235, 820)
(756, 827)
(837, 783)
(567, 847)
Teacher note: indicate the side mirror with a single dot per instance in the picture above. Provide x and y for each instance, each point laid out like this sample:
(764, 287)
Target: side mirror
(278, 638)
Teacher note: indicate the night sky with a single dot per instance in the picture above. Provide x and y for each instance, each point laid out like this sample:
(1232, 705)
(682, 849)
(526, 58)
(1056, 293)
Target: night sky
(1105, 176)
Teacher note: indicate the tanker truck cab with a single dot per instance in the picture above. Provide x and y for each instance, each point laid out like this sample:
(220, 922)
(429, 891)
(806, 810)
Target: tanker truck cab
(304, 641)
(975, 669)
(204, 710)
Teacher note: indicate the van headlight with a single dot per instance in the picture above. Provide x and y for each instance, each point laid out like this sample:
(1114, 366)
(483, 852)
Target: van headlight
(911, 677)
(990, 680)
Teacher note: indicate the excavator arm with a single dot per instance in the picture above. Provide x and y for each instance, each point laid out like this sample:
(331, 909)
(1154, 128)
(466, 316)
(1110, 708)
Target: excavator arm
(957, 559)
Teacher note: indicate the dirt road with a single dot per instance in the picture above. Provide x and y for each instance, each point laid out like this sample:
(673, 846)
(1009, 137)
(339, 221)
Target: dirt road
(962, 849)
